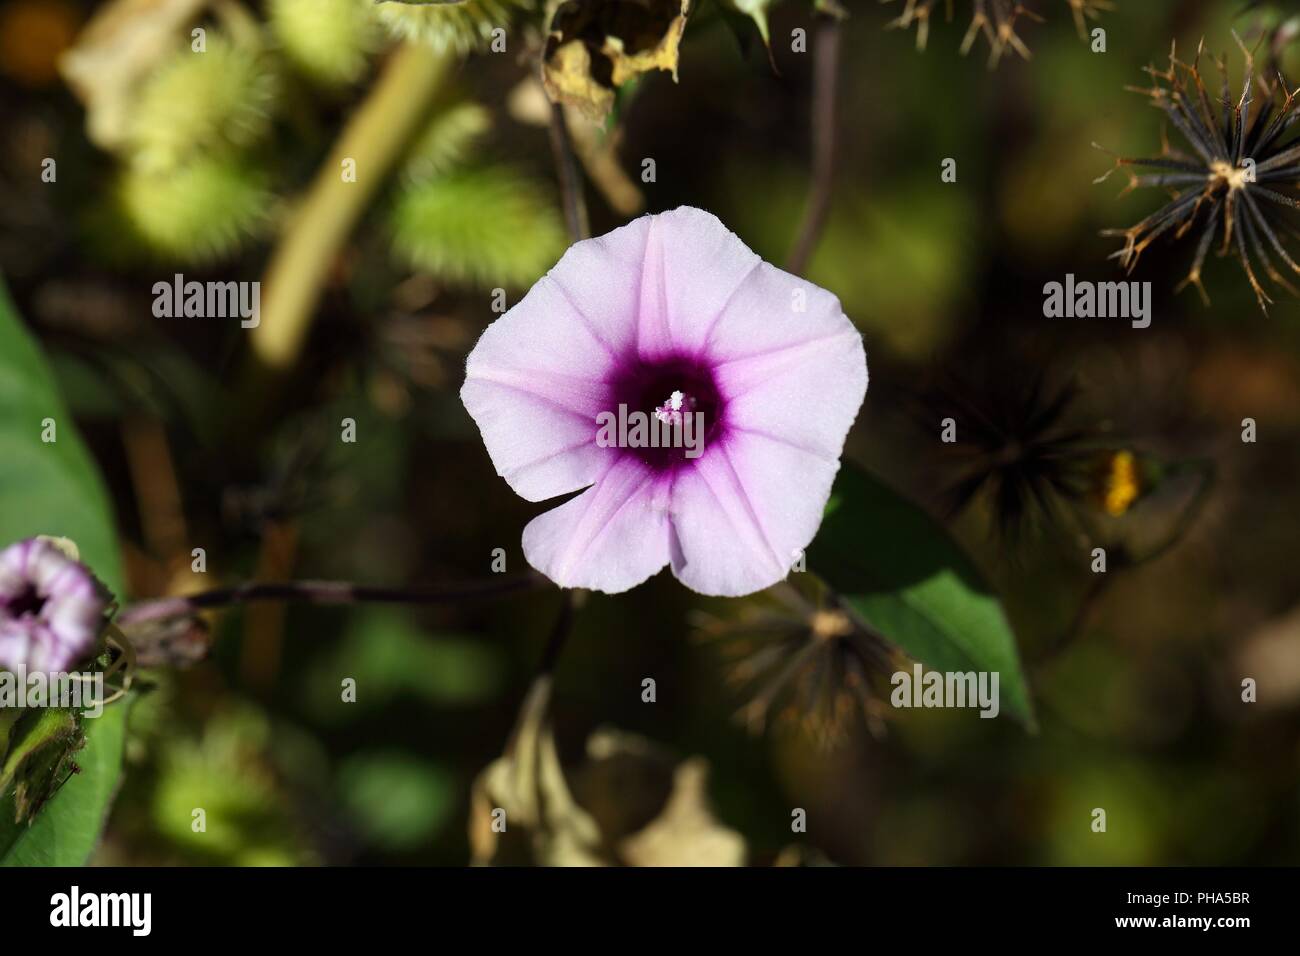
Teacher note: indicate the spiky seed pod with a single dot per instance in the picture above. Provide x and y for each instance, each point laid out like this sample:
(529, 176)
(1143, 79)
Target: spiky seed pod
(1019, 449)
(1085, 10)
(1242, 177)
(328, 41)
(458, 26)
(202, 211)
(801, 662)
(202, 103)
(446, 141)
(490, 227)
(247, 823)
(995, 20)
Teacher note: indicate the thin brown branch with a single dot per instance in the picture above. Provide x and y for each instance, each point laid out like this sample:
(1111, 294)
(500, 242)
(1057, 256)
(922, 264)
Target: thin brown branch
(560, 631)
(571, 191)
(323, 592)
(826, 68)
(1206, 473)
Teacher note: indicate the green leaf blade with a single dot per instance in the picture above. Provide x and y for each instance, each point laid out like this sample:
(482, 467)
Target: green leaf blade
(54, 488)
(47, 488)
(903, 574)
(68, 827)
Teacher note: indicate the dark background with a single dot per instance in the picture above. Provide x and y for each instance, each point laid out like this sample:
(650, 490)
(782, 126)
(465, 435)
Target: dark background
(1139, 713)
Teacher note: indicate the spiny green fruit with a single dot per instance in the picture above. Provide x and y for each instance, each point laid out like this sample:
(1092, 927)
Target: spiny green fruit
(201, 211)
(446, 141)
(488, 227)
(226, 774)
(456, 27)
(329, 41)
(202, 102)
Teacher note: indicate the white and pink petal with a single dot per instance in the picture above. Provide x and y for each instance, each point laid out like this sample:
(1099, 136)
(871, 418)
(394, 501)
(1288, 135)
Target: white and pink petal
(611, 537)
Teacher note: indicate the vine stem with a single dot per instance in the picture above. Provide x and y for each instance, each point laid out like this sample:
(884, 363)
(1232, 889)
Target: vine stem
(575, 203)
(322, 592)
(826, 69)
(579, 227)
(373, 139)
(1206, 473)
(559, 634)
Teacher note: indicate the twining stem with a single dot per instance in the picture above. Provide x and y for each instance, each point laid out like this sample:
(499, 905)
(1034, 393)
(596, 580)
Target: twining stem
(322, 592)
(157, 491)
(1100, 584)
(532, 712)
(575, 218)
(263, 640)
(1206, 474)
(826, 68)
(575, 202)
(559, 634)
(372, 140)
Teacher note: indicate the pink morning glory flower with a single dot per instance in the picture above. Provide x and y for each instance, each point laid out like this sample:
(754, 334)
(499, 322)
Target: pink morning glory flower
(671, 327)
(51, 608)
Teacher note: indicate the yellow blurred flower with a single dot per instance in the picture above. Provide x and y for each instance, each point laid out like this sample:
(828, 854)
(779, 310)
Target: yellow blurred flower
(1120, 482)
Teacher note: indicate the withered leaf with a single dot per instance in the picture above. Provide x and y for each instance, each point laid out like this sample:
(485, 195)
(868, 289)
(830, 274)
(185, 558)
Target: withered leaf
(630, 802)
(123, 42)
(542, 822)
(686, 833)
(595, 46)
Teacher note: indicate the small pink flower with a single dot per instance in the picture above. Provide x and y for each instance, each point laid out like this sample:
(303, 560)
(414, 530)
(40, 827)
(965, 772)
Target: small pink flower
(671, 316)
(51, 608)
